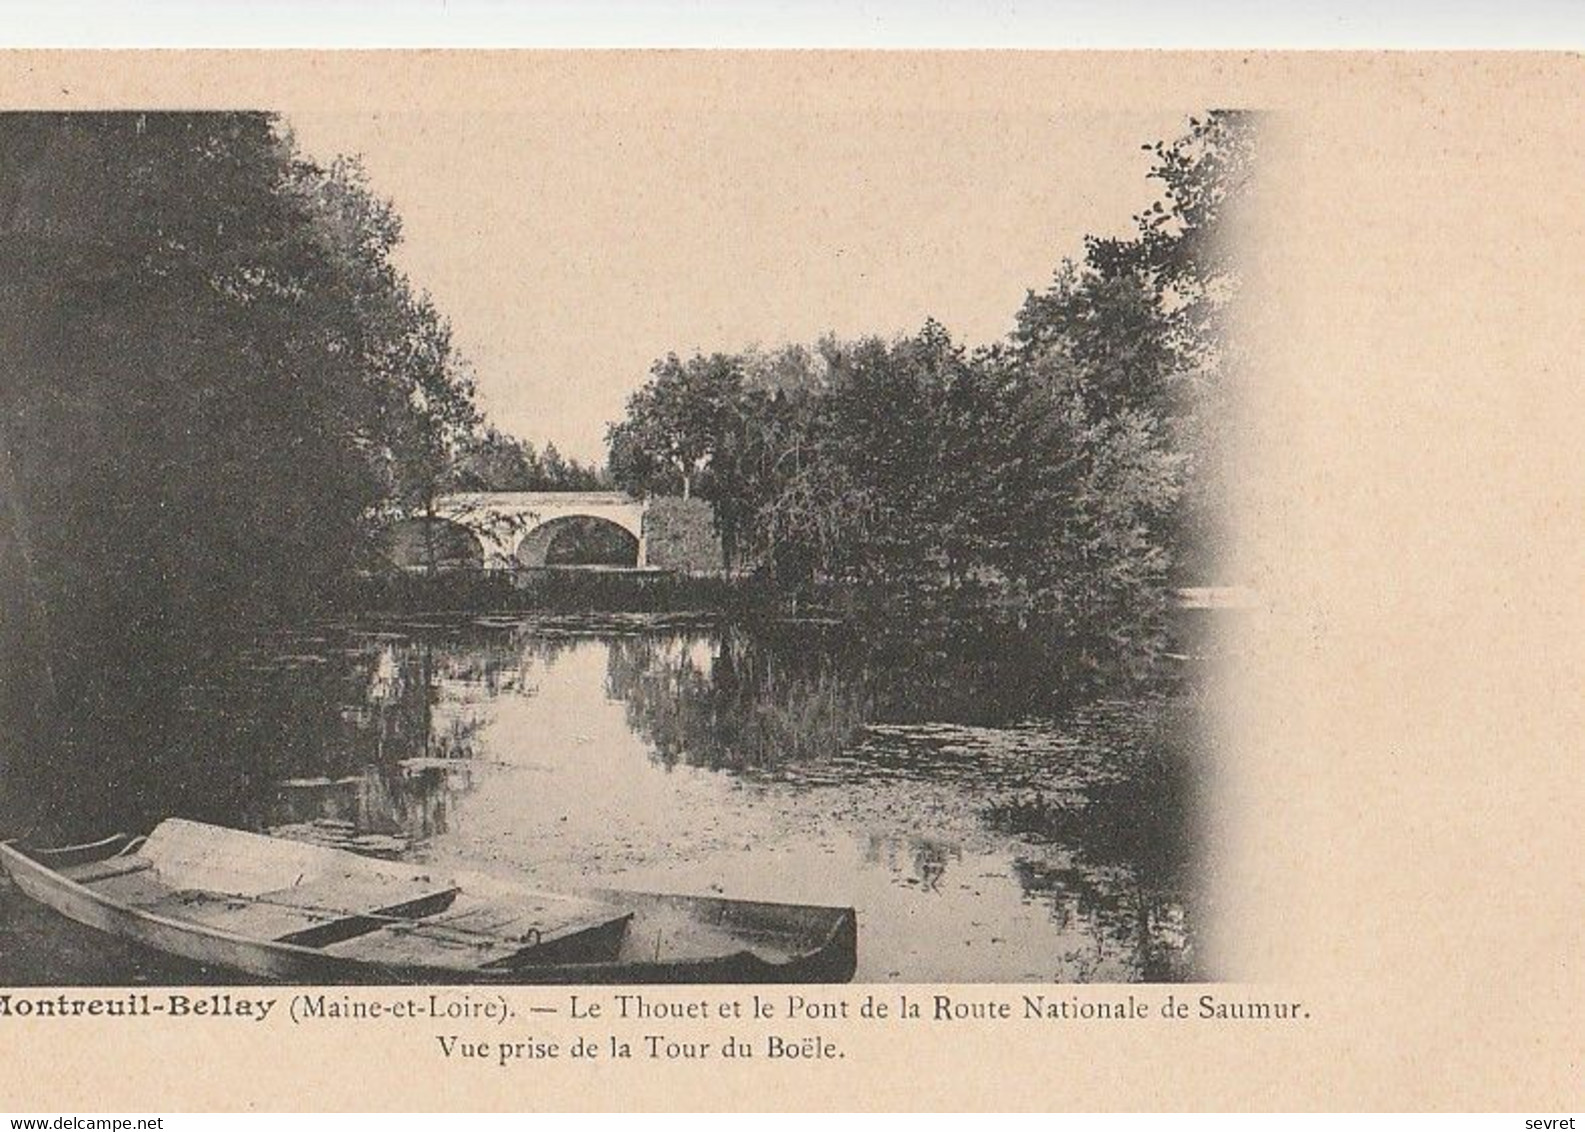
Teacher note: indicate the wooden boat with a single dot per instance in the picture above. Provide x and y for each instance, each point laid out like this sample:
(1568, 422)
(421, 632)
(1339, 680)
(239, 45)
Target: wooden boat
(296, 912)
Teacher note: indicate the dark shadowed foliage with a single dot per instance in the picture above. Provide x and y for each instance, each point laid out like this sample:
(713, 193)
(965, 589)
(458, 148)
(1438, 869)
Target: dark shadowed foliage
(214, 377)
(431, 545)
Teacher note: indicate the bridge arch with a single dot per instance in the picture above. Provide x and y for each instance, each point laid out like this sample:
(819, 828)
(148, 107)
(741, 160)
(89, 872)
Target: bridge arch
(578, 540)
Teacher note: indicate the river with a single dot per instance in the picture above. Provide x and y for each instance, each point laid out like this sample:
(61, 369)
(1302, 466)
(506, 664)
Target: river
(978, 838)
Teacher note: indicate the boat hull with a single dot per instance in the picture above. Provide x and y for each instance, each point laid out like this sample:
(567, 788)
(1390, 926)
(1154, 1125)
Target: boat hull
(828, 953)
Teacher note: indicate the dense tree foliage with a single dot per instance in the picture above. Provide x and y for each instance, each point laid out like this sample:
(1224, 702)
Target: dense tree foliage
(491, 460)
(216, 385)
(1055, 484)
(677, 423)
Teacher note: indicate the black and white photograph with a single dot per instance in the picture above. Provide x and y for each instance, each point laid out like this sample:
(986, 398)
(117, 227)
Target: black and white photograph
(632, 532)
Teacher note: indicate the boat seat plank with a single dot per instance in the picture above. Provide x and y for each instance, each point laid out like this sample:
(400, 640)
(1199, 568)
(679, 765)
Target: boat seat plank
(417, 946)
(136, 889)
(455, 946)
(238, 914)
(550, 914)
(350, 910)
(94, 871)
(383, 896)
(494, 919)
(308, 915)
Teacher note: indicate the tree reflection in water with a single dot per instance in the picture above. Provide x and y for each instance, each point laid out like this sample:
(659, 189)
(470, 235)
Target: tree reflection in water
(728, 701)
(1134, 829)
(1102, 797)
(954, 784)
(921, 861)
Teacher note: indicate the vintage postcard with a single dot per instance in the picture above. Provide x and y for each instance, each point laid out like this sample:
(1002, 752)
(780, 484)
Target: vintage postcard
(790, 580)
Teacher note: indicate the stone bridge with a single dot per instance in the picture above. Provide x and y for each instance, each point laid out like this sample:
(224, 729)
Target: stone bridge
(517, 528)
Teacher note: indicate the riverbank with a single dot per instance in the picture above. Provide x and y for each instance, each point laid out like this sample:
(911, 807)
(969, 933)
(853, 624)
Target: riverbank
(557, 590)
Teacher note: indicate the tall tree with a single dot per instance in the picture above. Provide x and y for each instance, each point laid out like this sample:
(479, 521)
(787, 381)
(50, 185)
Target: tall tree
(214, 379)
(1188, 249)
(490, 460)
(676, 423)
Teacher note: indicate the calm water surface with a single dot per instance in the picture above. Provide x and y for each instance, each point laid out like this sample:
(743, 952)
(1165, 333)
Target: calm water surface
(977, 842)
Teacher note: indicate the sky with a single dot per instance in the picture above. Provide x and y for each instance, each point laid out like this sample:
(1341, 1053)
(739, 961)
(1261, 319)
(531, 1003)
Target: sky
(576, 226)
